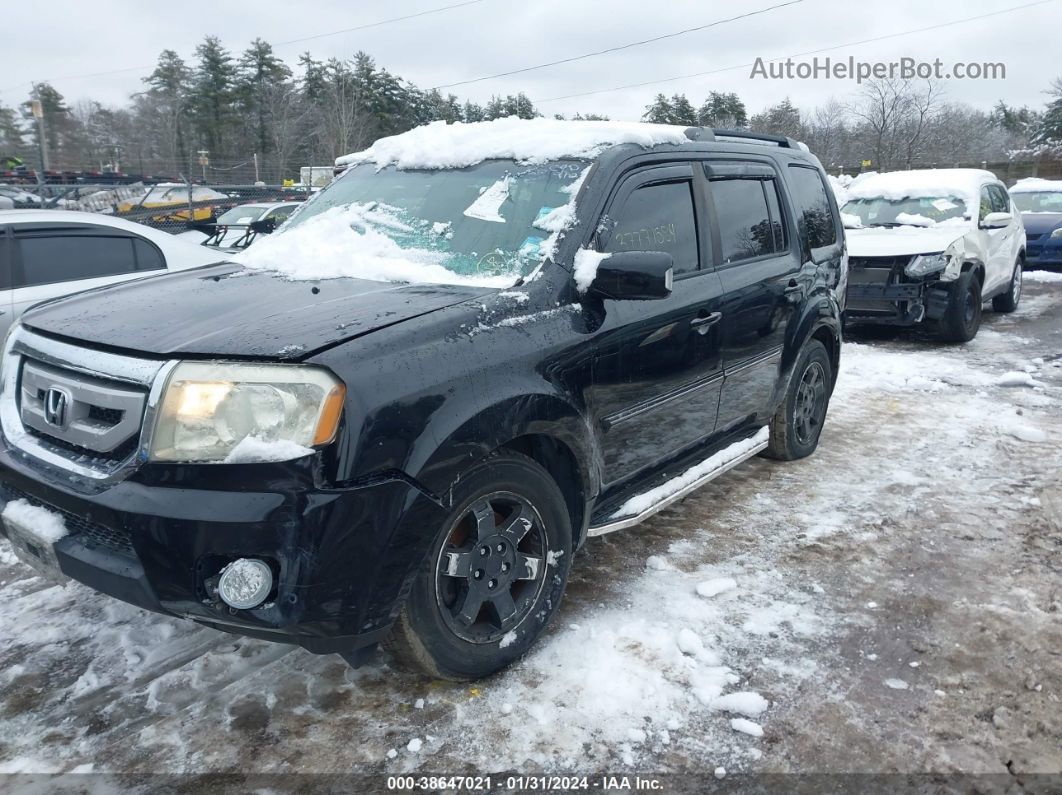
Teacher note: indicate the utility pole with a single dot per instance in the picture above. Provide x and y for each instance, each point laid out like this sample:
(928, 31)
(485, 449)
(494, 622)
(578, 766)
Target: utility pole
(204, 161)
(38, 113)
(256, 168)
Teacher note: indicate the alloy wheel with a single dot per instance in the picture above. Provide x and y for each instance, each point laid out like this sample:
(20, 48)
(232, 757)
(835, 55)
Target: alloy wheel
(492, 567)
(809, 408)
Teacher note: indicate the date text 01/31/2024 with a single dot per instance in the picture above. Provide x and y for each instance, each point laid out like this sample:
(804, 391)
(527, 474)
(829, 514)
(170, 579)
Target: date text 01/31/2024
(523, 783)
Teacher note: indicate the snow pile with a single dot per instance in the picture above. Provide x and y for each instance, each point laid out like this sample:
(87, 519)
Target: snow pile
(745, 726)
(641, 502)
(252, 450)
(341, 243)
(442, 145)
(1042, 277)
(913, 219)
(710, 588)
(586, 265)
(743, 703)
(961, 183)
(1036, 185)
(839, 185)
(48, 525)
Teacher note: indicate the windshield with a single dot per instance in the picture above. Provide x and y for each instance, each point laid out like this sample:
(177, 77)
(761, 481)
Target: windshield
(241, 216)
(492, 219)
(921, 211)
(1039, 202)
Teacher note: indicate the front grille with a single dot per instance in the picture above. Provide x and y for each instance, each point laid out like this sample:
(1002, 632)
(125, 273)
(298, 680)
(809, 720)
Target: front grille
(89, 533)
(86, 415)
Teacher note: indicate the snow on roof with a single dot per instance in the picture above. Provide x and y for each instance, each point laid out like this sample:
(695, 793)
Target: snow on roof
(1036, 185)
(442, 145)
(962, 183)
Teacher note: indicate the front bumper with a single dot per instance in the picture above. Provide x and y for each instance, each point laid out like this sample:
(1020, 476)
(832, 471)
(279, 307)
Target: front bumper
(1043, 250)
(341, 556)
(880, 292)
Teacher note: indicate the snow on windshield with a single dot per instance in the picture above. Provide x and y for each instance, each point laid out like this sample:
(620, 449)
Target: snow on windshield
(963, 184)
(442, 145)
(434, 231)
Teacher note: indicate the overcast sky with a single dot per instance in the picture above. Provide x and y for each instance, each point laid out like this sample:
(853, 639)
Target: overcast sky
(68, 43)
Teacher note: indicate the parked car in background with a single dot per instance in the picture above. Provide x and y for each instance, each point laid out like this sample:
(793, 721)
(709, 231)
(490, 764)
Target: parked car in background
(1040, 203)
(932, 245)
(48, 253)
(397, 418)
(173, 198)
(237, 228)
(20, 199)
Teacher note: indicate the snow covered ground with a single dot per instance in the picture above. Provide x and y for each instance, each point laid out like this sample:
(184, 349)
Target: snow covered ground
(890, 604)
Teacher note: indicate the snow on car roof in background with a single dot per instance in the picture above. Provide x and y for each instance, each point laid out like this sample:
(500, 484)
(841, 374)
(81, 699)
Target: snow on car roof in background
(442, 145)
(963, 183)
(1036, 185)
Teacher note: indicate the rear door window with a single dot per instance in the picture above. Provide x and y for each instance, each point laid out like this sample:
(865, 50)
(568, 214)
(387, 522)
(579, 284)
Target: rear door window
(659, 217)
(62, 257)
(815, 220)
(749, 218)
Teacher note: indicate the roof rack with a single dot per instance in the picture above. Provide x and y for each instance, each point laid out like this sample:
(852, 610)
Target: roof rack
(779, 140)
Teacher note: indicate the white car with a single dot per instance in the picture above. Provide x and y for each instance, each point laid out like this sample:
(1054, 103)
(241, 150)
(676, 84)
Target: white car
(232, 230)
(48, 253)
(932, 245)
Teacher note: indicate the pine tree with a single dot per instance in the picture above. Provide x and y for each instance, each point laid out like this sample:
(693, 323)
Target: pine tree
(1050, 128)
(62, 133)
(213, 92)
(659, 112)
(168, 88)
(682, 111)
(473, 112)
(258, 70)
(11, 140)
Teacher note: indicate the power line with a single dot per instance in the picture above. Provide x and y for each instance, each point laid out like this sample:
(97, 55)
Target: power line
(367, 25)
(381, 22)
(619, 47)
(795, 55)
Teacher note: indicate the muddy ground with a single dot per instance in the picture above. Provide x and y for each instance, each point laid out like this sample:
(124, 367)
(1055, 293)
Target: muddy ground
(898, 602)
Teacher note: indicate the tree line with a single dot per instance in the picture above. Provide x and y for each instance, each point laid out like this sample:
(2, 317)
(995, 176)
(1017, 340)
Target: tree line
(253, 108)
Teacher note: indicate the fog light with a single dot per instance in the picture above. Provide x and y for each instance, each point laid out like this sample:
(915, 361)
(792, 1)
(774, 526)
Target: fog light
(245, 583)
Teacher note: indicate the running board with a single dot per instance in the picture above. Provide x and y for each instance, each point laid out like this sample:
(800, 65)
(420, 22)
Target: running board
(760, 440)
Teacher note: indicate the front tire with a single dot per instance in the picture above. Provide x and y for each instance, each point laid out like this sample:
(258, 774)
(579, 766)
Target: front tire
(962, 318)
(1008, 302)
(797, 424)
(494, 576)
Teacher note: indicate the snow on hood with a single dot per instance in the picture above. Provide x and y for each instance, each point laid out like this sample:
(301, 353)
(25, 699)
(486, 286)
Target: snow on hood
(1036, 185)
(963, 183)
(901, 240)
(458, 145)
(339, 243)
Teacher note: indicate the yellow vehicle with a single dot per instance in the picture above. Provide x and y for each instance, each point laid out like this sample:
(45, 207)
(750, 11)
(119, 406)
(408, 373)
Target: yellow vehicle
(174, 198)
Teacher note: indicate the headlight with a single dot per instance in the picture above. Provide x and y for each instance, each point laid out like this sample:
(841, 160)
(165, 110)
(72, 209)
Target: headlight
(233, 412)
(924, 264)
(1057, 232)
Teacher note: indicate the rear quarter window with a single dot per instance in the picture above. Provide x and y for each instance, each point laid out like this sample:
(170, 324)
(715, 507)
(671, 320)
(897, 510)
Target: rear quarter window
(50, 259)
(815, 220)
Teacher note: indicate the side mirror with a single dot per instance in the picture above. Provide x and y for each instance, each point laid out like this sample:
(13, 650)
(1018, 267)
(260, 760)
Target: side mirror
(263, 227)
(634, 276)
(996, 220)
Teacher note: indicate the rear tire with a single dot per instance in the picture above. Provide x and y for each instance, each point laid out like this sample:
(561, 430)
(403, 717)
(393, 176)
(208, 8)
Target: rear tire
(962, 318)
(1008, 302)
(797, 424)
(494, 576)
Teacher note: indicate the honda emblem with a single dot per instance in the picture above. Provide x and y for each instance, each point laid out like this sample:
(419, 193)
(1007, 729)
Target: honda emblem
(55, 404)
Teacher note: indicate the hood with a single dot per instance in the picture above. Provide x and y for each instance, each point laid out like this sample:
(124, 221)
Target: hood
(1040, 223)
(901, 241)
(229, 311)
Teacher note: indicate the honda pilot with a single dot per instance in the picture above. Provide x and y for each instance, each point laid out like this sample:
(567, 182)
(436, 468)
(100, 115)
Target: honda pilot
(397, 418)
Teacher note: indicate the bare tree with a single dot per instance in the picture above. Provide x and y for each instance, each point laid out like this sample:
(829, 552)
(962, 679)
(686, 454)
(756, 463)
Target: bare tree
(285, 115)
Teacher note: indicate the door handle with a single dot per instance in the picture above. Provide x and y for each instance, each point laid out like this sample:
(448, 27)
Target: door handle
(704, 323)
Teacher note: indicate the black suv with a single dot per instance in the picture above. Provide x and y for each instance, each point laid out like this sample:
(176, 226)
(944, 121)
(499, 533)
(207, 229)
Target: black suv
(339, 462)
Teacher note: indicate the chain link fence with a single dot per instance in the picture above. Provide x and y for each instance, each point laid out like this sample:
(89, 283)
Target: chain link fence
(172, 207)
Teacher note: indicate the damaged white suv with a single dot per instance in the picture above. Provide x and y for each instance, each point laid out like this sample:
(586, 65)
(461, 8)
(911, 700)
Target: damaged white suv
(932, 245)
